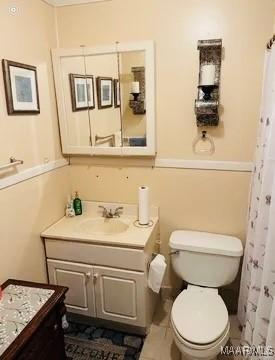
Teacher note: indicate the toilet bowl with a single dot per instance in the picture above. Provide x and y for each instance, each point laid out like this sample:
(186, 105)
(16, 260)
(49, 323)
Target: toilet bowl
(200, 323)
(199, 316)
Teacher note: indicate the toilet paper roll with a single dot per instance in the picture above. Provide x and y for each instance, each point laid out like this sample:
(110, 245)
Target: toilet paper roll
(143, 205)
(156, 273)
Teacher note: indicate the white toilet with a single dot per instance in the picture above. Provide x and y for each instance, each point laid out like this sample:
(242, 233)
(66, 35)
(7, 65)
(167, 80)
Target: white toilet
(199, 316)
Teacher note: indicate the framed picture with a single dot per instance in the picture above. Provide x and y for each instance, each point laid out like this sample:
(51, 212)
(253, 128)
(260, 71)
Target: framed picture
(21, 88)
(116, 93)
(104, 87)
(82, 92)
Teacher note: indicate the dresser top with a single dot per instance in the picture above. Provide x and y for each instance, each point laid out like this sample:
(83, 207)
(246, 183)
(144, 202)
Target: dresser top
(21, 305)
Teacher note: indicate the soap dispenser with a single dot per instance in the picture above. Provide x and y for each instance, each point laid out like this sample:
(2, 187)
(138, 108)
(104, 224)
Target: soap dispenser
(70, 208)
(77, 204)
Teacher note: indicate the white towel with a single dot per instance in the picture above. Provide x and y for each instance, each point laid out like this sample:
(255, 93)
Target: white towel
(156, 273)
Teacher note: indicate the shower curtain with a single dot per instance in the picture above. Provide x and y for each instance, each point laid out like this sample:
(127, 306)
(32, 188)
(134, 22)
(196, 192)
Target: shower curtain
(257, 293)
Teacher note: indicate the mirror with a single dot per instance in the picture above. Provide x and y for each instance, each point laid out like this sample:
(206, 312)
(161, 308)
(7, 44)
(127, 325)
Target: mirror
(75, 101)
(105, 117)
(133, 106)
(105, 98)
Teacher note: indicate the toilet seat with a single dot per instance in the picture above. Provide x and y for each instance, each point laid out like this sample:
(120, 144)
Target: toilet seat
(199, 316)
(200, 347)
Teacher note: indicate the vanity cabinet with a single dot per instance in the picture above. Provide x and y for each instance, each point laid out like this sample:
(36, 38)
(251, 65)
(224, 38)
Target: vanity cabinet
(102, 292)
(105, 282)
(120, 295)
(80, 298)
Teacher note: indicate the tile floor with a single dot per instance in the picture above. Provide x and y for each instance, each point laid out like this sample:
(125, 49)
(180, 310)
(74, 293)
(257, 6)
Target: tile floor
(159, 344)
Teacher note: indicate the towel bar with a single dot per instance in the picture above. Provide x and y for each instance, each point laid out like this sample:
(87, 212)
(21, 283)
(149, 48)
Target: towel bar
(13, 162)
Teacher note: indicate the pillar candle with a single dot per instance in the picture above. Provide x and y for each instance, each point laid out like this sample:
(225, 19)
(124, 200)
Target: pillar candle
(207, 74)
(135, 87)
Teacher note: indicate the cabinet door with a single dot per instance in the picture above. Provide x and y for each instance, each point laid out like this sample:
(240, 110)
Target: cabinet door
(78, 278)
(120, 295)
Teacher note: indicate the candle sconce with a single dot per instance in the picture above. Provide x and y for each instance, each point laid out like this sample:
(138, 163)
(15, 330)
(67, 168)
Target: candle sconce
(207, 103)
(138, 103)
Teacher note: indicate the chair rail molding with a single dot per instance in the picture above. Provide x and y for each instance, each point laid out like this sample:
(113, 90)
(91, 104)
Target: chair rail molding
(10, 180)
(71, 2)
(204, 164)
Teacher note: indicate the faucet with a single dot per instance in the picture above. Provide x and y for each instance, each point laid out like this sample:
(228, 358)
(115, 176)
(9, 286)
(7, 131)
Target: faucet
(109, 214)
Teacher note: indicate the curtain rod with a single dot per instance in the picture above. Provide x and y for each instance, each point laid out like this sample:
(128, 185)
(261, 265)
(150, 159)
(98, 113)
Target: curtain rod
(271, 42)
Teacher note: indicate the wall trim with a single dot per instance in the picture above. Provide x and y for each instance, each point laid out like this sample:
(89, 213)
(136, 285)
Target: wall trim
(32, 172)
(71, 2)
(204, 165)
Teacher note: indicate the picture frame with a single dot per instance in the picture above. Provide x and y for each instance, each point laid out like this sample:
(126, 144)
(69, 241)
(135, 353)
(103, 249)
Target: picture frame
(82, 92)
(117, 101)
(21, 88)
(104, 87)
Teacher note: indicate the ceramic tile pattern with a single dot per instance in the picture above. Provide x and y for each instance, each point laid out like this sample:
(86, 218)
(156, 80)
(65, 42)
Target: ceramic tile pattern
(18, 306)
(159, 344)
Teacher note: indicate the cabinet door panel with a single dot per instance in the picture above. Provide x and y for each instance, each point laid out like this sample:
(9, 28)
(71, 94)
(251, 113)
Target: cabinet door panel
(120, 295)
(78, 278)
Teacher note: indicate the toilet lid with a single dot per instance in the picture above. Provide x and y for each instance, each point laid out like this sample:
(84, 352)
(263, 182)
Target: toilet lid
(199, 317)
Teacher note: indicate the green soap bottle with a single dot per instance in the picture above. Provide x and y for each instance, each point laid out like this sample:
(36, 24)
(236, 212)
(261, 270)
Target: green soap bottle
(77, 205)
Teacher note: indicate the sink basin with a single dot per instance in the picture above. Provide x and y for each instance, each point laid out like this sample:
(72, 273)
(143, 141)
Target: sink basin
(102, 226)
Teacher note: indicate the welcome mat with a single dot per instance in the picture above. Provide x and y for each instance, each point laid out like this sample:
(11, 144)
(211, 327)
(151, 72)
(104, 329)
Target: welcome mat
(77, 349)
(85, 342)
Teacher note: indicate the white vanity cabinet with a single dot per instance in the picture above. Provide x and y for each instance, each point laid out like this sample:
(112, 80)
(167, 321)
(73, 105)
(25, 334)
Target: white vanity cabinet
(80, 298)
(106, 282)
(106, 270)
(120, 295)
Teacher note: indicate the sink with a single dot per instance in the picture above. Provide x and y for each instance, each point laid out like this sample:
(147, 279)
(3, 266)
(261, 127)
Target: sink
(102, 226)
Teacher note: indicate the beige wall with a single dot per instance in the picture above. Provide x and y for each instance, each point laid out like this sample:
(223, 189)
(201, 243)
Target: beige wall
(176, 26)
(29, 207)
(204, 200)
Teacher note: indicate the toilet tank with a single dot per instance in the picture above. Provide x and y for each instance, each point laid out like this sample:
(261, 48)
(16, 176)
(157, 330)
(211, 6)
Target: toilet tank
(205, 259)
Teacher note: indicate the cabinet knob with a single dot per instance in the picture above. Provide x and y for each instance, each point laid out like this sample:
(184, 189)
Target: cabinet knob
(96, 276)
(88, 275)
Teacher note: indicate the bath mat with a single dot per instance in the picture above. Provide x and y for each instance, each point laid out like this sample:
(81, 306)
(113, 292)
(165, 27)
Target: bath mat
(86, 342)
(77, 349)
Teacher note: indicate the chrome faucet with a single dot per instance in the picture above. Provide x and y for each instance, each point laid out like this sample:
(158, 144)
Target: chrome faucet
(110, 214)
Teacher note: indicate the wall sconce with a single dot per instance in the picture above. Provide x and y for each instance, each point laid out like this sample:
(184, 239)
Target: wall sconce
(138, 91)
(207, 103)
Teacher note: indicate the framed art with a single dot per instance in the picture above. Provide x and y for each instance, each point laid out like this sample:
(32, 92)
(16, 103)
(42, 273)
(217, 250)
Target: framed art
(82, 92)
(116, 93)
(21, 88)
(104, 87)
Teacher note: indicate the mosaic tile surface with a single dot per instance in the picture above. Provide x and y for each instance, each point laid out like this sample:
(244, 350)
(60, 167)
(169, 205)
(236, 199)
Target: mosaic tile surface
(18, 306)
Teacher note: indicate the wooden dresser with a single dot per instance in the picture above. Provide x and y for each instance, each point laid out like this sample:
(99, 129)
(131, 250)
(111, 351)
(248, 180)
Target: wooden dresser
(37, 330)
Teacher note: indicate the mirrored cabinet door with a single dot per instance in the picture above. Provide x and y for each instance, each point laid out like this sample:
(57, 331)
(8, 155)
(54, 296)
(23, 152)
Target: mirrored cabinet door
(105, 118)
(74, 100)
(133, 98)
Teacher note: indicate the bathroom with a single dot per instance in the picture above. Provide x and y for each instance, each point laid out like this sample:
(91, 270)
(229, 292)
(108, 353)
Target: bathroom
(197, 178)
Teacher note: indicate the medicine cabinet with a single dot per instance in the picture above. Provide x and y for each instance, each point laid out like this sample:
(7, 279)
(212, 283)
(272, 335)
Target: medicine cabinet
(106, 99)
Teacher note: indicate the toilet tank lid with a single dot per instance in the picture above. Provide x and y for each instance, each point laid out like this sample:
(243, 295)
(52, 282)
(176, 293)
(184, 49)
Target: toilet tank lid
(206, 242)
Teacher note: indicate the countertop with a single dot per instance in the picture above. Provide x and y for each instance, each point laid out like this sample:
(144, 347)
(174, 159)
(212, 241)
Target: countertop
(135, 236)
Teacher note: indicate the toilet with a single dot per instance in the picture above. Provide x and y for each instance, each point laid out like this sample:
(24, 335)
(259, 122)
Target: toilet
(199, 317)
